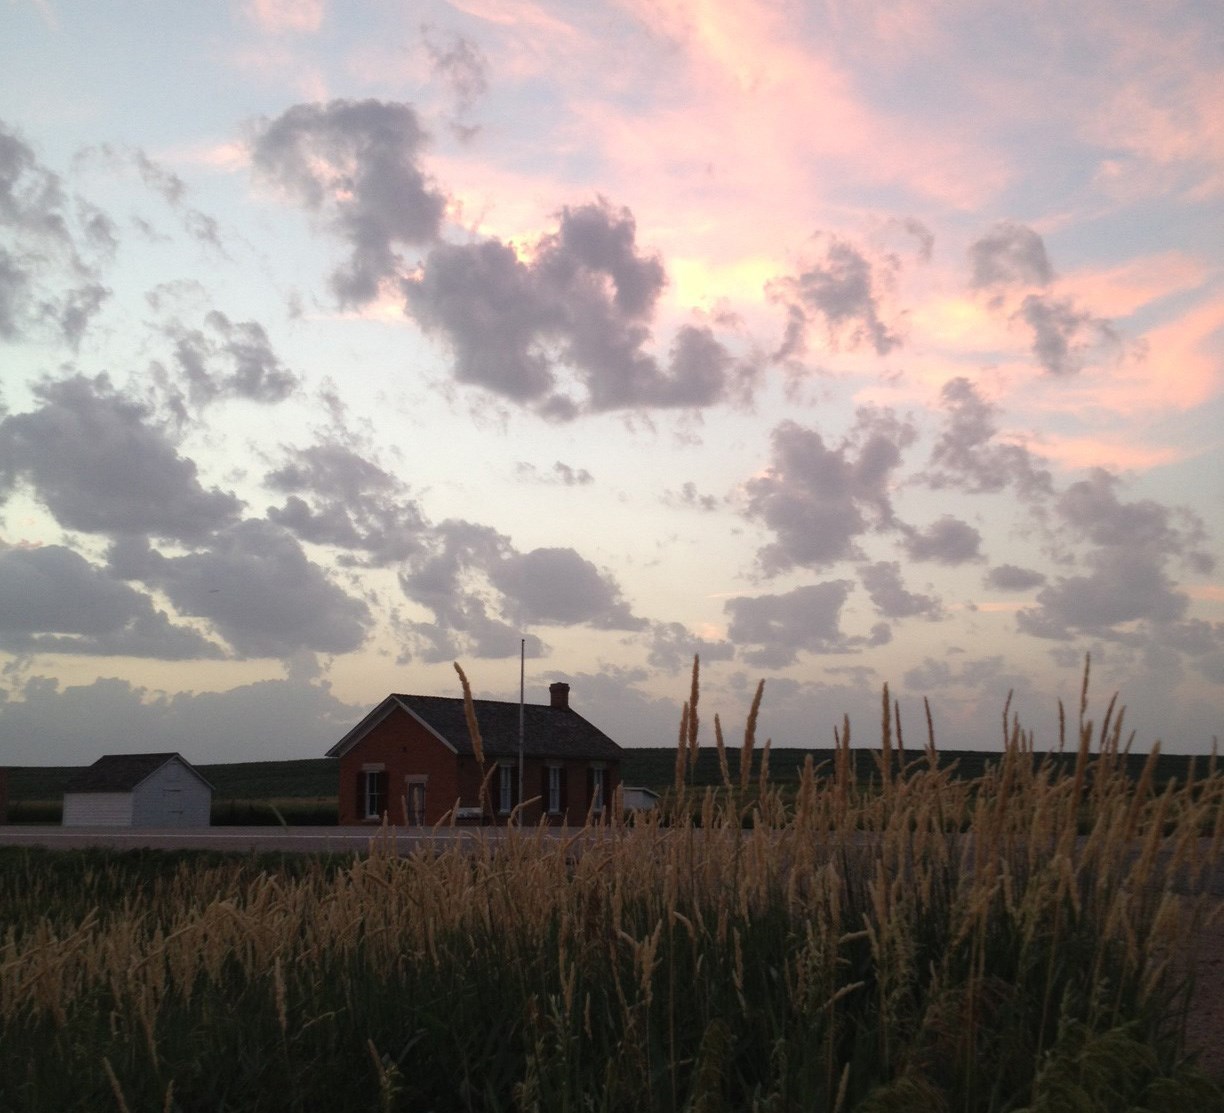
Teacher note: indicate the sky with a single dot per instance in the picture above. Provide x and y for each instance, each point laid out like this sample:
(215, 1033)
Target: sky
(838, 343)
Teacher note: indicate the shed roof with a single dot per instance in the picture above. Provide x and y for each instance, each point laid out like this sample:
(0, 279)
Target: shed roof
(548, 732)
(124, 772)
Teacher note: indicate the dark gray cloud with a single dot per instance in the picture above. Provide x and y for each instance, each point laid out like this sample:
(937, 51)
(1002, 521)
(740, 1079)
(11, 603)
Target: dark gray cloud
(483, 592)
(1011, 577)
(438, 576)
(890, 596)
(54, 601)
(817, 500)
(967, 457)
(229, 359)
(1126, 593)
(843, 290)
(450, 577)
(672, 647)
(255, 585)
(338, 497)
(558, 587)
(100, 464)
(356, 163)
(577, 317)
(933, 674)
(1064, 338)
(49, 285)
(947, 541)
(771, 630)
(1009, 254)
(563, 474)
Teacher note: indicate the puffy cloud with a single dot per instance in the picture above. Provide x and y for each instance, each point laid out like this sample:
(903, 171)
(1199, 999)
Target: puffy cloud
(1063, 336)
(251, 368)
(947, 541)
(1009, 254)
(1011, 577)
(883, 583)
(672, 647)
(97, 461)
(355, 162)
(933, 674)
(842, 289)
(773, 629)
(583, 304)
(450, 576)
(817, 499)
(52, 600)
(1127, 589)
(483, 592)
(338, 497)
(256, 586)
(485, 302)
(967, 456)
(558, 587)
(46, 282)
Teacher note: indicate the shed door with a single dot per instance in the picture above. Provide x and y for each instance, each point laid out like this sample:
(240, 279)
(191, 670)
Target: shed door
(172, 794)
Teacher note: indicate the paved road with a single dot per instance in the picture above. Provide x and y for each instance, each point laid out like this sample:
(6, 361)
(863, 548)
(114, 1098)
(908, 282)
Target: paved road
(343, 840)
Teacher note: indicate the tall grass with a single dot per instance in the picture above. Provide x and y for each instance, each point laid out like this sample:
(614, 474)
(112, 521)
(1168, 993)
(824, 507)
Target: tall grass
(1017, 942)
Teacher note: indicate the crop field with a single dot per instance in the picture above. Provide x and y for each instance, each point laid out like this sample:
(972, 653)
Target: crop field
(919, 941)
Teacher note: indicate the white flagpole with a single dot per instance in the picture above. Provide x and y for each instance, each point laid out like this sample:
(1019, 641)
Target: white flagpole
(522, 690)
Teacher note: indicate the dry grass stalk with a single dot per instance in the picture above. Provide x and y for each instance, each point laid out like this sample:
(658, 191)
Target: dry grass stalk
(745, 767)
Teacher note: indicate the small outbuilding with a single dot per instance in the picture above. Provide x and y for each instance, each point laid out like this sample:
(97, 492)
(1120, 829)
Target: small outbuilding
(635, 799)
(412, 761)
(138, 790)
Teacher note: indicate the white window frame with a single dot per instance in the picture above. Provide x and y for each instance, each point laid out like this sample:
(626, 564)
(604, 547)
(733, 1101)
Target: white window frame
(554, 789)
(370, 794)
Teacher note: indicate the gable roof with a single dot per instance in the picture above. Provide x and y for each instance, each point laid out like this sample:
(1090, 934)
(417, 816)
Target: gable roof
(548, 732)
(124, 772)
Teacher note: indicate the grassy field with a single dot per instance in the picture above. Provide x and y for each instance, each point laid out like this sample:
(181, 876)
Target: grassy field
(921, 942)
(304, 791)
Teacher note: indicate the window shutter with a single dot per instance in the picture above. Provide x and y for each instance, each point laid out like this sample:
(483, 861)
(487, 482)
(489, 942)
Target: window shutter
(360, 810)
(564, 802)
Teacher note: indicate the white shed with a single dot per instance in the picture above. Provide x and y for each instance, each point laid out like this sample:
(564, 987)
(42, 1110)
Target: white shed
(138, 790)
(639, 799)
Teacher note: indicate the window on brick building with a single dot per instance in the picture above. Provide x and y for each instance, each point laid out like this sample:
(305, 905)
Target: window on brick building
(372, 793)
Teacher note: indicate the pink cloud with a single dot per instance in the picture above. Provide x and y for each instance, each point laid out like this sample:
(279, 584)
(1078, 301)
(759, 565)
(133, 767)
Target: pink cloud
(279, 16)
(1117, 292)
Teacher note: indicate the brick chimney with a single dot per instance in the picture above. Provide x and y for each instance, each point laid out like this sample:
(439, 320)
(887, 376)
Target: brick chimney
(558, 695)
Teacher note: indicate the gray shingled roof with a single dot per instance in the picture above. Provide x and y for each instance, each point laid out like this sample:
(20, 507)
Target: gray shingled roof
(548, 731)
(122, 772)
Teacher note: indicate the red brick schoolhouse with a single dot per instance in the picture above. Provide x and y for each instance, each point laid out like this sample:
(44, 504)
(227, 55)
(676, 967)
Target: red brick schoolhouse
(412, 762)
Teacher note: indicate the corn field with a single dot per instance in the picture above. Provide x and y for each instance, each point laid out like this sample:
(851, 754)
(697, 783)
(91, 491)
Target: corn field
(1022, 941)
